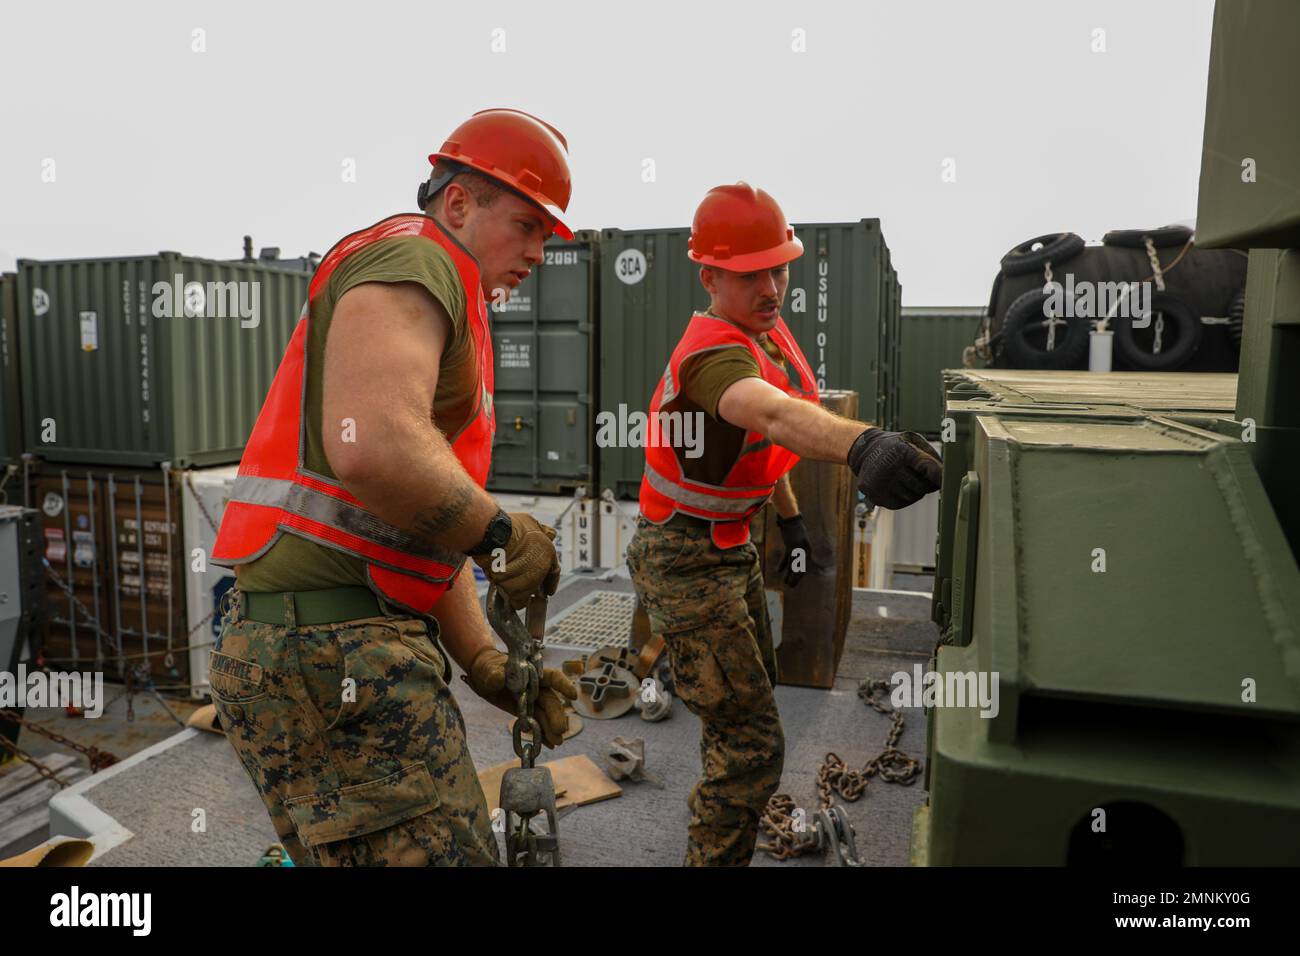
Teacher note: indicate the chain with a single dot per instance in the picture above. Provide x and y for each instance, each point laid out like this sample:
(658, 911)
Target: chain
(781, 817)
(189, 483)
(1052, 321)
(99, 759)
(1158, 274)
(40, 768)
(67, 589)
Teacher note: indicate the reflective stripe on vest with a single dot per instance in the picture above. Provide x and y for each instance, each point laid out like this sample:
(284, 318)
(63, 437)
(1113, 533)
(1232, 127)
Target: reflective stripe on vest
(705, 501)
(349, 519)
(759, 464)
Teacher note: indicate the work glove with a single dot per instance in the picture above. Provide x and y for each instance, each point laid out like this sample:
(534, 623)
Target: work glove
(531, 566)
(487, 678)
(894, 469)
(794, 535)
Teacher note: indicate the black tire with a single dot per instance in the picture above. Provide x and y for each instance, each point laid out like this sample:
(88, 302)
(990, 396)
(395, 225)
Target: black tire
(1181, 322)
(1236, 315)
(1030, 256)
(1023, 329)
(1136, 238)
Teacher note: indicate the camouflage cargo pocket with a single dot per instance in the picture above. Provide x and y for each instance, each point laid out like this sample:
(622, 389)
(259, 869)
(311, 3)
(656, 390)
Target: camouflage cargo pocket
(362, 809)
(697, 675)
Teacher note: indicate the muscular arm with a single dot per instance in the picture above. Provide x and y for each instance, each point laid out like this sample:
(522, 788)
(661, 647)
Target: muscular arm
(381, 368)
(808, 430)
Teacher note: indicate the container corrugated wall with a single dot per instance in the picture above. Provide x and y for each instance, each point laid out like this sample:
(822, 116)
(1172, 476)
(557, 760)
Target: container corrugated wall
(11, 420)
(841, 294)
(543, 340)
(110, 377)
(932, 340)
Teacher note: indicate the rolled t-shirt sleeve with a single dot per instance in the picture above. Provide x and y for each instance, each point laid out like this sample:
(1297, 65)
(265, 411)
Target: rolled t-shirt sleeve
(705, 377)
(408, 259)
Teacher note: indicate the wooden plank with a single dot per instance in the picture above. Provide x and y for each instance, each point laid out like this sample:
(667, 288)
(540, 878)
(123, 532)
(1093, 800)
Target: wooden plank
(578, 781)
(24, 775)
(30, 809)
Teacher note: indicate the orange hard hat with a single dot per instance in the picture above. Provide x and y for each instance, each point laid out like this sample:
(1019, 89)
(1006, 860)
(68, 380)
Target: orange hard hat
(741, 229)
(517, 149)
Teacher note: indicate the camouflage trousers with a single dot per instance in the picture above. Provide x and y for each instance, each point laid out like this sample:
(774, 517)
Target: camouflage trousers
(709, 606)
(353, 740)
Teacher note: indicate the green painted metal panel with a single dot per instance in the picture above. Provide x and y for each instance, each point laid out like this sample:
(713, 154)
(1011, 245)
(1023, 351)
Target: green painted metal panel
(931, 340)
(11, 421)
(1250, 177)
(544, 344)
(842, 295)
(1118, 686)
(135, 361)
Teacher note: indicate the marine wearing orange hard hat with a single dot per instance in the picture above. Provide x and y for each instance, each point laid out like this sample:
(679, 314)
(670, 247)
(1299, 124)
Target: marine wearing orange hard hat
(359, 501)
(693, 565)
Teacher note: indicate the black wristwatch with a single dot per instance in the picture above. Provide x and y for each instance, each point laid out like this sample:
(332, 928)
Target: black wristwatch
(497, 535)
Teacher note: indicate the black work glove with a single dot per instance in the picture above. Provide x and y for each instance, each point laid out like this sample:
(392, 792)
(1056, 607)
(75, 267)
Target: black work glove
(795, 537)
(894, 469)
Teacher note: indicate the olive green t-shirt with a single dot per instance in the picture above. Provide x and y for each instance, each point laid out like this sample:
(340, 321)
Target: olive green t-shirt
(294, 563)
(704, 378)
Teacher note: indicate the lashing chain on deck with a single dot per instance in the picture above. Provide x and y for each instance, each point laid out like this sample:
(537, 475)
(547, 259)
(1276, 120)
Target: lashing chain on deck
(787, 826)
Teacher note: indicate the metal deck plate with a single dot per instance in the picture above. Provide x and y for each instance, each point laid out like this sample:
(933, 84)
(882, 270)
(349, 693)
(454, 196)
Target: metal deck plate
(599, 619)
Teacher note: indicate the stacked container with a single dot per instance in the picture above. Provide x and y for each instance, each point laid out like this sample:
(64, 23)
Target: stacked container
(134, 372)
(543, 341)
(842, 307)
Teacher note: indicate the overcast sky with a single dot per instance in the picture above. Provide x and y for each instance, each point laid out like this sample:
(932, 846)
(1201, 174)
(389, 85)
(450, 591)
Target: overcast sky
(156, 145)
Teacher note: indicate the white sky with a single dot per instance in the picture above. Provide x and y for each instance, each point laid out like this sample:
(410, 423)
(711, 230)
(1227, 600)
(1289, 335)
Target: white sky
(158, 147)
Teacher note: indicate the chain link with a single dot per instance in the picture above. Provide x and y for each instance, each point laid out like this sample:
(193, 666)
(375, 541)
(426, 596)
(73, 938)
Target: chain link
(782, 818)
(99, 759)
(1052, 321)
(189, 483)
(1158, 274)
(39, 767)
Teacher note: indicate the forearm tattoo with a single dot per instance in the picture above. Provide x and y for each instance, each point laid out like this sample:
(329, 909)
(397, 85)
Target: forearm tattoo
(433, 523)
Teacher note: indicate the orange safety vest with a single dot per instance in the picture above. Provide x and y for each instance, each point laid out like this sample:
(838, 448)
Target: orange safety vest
(752, 478)
(274, 492)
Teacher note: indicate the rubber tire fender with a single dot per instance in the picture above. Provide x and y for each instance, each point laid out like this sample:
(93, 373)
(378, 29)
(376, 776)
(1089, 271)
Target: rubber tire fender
(1136, 238)
(1020, 315)
(1187, 339)
(1033, 254)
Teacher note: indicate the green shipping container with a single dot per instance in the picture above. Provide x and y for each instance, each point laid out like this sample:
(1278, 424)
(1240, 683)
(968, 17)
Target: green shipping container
(11, 420)
(841, 306)
(135, 361)
(932, 339)
(544, 344)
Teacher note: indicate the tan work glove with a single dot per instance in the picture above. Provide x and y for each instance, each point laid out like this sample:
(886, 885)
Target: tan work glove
(487, 678)
(531, 565)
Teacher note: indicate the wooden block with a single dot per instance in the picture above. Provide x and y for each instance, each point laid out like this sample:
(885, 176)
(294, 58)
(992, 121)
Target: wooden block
(578, 781)
(816, 613)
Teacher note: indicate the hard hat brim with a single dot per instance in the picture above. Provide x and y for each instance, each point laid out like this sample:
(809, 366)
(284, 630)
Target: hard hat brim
(788, 251)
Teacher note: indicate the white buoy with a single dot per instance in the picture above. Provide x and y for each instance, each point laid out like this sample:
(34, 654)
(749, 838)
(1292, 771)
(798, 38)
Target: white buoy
(1100, 343)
